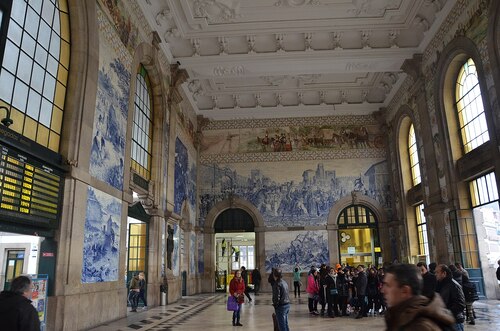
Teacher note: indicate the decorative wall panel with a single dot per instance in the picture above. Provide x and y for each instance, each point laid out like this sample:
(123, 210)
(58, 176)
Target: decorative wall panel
(294, 194)
(101, 243)
(288, 249)
(110, 119)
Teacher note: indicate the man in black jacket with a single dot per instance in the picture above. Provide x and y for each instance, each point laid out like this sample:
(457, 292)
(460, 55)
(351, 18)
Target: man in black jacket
(361, 283)
(452, 294)
(16, 311)
(256, 279)
(430, 281)
(498, 270)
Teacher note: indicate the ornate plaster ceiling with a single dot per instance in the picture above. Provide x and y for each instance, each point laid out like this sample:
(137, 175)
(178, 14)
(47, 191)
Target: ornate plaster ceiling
(285, 58)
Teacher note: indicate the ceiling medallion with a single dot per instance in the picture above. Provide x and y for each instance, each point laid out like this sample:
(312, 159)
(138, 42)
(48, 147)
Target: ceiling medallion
(296, 3)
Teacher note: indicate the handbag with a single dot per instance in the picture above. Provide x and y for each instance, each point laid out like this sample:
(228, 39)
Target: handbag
(334, 291)
(232, 304)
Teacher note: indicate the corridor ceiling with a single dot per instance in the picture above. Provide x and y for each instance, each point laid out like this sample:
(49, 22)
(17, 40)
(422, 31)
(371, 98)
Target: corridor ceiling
(254, 59)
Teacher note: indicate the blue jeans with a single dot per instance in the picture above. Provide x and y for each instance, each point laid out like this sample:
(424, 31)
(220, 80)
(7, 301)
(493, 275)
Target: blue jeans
(236, 314)
(459, 326)
(282, 316)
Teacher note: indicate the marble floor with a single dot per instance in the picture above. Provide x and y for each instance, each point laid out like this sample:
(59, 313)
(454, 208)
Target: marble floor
(207, 312)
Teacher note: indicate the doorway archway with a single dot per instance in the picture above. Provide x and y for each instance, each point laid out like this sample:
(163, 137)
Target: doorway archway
(233, 216)
(356, 217)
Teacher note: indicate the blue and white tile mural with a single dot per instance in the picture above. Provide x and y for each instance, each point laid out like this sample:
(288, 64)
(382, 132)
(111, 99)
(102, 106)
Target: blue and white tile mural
(287, 249)
(201, 258)
(110, 119)
(301, 194)
(184, 180)
(101, 243)
(175, 253)
(192, 254)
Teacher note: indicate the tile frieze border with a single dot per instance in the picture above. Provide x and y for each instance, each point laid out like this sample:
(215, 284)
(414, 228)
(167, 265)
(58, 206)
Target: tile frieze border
(295, 121)
(371, 153)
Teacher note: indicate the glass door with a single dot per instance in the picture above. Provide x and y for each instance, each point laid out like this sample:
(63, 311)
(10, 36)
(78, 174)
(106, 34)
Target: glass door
(14, 268)
(357, 246)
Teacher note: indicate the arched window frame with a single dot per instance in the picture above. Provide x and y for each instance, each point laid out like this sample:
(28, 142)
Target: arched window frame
(357, 215)
(469, 107)
(413, 155)
(142, 129)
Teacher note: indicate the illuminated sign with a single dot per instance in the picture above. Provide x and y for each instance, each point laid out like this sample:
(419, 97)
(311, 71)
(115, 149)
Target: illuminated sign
(30, 191)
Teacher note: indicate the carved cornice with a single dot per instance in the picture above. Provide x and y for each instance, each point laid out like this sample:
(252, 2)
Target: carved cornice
(413, 67)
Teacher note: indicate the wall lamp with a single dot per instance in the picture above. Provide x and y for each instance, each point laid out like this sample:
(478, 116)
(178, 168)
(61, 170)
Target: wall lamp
(6, 120)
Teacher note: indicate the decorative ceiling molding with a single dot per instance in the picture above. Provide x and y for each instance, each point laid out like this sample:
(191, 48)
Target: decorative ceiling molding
(229, 71)
(297, 81)
(373, 8)
(217, 11)
(297, 3)
(260, 58)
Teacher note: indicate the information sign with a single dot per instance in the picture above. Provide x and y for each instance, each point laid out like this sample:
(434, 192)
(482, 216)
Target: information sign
(30, 191)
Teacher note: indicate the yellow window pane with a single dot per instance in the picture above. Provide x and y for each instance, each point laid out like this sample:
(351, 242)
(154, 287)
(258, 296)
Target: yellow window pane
(63, 5)
(133, 241)
(64, 57)
(141, 253)
(134, 229)
(60, 95)
(54, 139)
(132, 265)
(132, 253)
(56, 121)
(29, 130)
(141, 265)
(17, 117)
(64, 26)
(62, 75)
(42, 136)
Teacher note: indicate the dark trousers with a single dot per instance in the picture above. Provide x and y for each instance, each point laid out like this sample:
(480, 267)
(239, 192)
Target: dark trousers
(142, 297)
(362, 305)
(313, 304)
(333, 305)
(246, 293)
(256, 287)
(133, 299)
(236, 314)
(296, 288)
(343, 305)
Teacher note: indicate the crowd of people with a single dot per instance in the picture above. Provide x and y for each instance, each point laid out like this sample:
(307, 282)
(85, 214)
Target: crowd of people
(410, 297)
(343, 290)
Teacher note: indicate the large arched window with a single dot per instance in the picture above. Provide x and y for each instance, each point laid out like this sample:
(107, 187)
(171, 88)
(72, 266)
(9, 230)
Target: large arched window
(34, 71)
(472, 120)
(413, 153)
(143, 126)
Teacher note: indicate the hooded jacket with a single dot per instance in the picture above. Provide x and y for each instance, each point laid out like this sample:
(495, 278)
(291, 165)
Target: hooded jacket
(419, 313)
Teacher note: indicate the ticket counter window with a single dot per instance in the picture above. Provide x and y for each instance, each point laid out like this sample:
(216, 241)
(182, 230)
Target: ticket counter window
(358, 236)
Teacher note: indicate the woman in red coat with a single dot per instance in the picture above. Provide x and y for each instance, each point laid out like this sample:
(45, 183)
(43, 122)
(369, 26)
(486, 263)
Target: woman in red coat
(237, 289)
